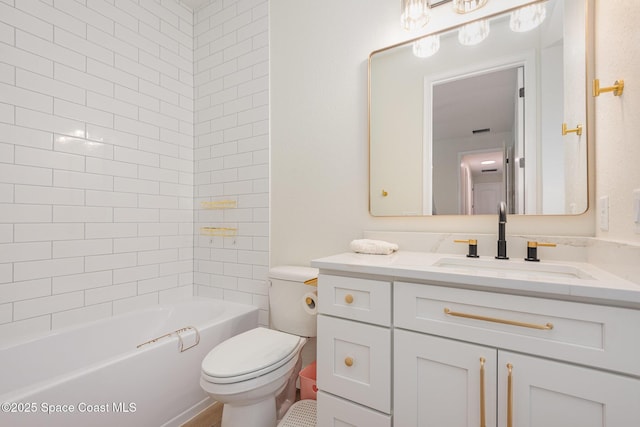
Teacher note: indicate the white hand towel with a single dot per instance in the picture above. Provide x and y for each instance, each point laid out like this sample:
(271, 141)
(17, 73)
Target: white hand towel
(375, 247)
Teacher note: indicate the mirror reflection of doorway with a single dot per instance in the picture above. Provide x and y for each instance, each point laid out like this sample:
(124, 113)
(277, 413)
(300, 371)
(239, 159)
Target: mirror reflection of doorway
(478, 118)
(482, 182)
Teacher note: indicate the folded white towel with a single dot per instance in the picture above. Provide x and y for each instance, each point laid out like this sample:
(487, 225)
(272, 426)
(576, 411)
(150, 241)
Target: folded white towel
(375, 247)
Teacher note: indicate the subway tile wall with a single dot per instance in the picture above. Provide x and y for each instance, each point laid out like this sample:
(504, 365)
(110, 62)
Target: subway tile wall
(231, 79)
(97, 157)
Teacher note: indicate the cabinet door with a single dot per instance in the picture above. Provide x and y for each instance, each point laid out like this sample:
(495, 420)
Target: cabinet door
(545, 393)
(441, 382)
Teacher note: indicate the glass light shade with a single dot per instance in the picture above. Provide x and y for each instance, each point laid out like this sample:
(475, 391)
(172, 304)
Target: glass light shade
(474, 32)
(427, 46)
(415, 14)
(466, 6)
(528, 17)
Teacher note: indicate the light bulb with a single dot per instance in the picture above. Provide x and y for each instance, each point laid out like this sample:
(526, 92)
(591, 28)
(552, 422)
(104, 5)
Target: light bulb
(466, 6)
(474, 32)
(527, 18)
(415, 14)
(426, 46)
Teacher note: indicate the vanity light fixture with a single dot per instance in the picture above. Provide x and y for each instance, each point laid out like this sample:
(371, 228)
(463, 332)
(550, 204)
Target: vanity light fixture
(466, 6)
(474, 32)
(426, 46)
(415, 14)
(528, 17)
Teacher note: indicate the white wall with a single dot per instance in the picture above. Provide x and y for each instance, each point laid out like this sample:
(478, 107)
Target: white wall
(96, 159)
(617, 119)
(319, 130)
(232, 149)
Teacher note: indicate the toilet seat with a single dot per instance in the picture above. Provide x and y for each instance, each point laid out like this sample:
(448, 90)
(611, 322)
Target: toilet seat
(249, 355)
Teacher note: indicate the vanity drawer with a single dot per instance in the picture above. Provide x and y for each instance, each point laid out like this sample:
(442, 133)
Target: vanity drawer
(334, 412)
(354, 361)
(581, 333)
(358, 299)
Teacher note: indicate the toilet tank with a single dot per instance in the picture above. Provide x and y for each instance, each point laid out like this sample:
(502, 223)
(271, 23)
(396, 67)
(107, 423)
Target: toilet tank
(287, 300)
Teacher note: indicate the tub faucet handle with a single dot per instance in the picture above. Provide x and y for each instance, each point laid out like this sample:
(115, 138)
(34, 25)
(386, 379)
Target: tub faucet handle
(532, 250)
(473, 247)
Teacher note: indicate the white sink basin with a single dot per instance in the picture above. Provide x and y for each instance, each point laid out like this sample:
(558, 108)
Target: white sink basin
(514, 268)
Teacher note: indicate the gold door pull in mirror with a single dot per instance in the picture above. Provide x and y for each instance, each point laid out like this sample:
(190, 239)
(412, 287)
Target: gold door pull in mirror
(617, 88)
(577, 130)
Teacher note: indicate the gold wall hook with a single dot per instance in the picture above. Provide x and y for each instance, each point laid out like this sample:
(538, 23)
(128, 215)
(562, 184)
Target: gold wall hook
(577, 130)
(617, 88)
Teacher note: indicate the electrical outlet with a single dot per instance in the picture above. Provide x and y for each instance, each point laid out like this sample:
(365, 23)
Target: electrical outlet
(603, 209)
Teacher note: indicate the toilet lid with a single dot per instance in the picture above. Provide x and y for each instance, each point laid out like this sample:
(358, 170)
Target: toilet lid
(250, 354)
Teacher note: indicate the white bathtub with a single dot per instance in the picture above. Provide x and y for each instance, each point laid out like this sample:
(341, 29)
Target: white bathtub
(95, 375)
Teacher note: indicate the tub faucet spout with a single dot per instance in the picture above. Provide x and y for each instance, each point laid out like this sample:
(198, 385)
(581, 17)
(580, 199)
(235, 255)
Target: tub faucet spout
(502, 240)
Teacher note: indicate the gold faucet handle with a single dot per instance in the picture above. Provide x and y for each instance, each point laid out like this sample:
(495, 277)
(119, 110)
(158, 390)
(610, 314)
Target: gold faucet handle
(473, 247)
(532, 244)
(469, 241)
(532, 250)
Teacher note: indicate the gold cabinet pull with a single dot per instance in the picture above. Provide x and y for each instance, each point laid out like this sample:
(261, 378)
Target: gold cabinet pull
(483, 422)
(384, 193)
(510, 395)
(348, 298)
(577, 130)
(545, 327)
(348, 361)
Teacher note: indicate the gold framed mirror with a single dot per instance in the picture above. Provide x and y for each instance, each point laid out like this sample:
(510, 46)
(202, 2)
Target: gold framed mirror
(456, 132)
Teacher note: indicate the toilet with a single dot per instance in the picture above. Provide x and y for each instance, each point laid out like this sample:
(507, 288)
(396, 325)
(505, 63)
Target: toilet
(253, 374)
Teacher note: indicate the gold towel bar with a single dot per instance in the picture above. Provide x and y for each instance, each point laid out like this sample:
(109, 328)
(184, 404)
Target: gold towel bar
(545, 327)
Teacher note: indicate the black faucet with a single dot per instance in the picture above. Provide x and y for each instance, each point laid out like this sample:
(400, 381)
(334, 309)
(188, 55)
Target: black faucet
(502, 221)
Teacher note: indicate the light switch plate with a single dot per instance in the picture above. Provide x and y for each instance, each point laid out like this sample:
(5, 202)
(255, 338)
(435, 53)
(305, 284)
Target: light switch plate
(603, 209)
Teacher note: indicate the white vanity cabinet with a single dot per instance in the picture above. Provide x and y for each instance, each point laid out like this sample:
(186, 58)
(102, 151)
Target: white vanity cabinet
(469, 358)
(397, 353)
(354, 348)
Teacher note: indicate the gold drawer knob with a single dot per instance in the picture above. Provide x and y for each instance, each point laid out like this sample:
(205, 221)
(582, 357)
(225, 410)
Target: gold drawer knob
(348, 361)
(348, 298)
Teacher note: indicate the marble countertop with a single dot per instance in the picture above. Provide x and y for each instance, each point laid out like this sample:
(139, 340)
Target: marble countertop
(574, 281)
